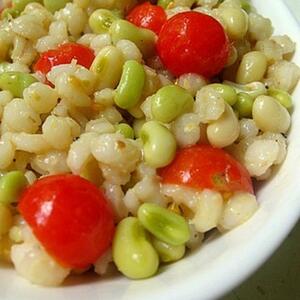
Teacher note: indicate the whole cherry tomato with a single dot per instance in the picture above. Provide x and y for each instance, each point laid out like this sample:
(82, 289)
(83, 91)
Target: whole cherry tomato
(70, 217)
(148, 16)
(192, 42)
(205, 167)
(64, 54)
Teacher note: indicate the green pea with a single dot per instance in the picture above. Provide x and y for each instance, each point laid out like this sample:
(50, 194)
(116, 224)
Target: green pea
(143, 38)
(164, 3)
(170, 102)
(11, 185)
(244, 105)
(10, 13)
(167, 252)
(125, 130)
(16, 82)
(101, 20)
(165, 225)
(227, 92)
(21, 4)
(108, 67)
(159, 144)
(55, 5)
(130, 88)
(132, 251)
(283, 97)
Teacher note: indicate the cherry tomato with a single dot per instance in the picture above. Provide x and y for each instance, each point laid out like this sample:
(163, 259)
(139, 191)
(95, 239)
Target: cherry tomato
(64, 54)
(70, 217)
(203, 166)
(148, 16)
(193, 42)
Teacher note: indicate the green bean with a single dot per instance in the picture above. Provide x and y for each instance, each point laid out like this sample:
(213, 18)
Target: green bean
(125, 130)
(16, 82)
(159, 144)
(227, 92)
(143, 38)
(244, 105)
(165, 225)
(108, 67)
(132, 251)
(131, 85)
(101, 20)
(6, 219)
(55, 5)
(10, 13)
(11, 185)
(283, 97)
(170, 102)
(21, 4)
(164, 3)
(167, 252)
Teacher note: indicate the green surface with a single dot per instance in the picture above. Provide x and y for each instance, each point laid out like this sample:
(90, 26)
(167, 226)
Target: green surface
(278, 278)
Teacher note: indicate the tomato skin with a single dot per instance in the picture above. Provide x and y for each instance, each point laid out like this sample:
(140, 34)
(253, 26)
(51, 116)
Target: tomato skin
(205, 167)
(70, 217)
(148, 16)
(64, 54)
(192, 42)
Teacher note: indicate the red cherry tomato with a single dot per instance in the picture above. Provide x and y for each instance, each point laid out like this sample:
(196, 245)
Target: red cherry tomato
(148, 16)
(64, 54)
(70, 217)
(193, 42)
(203, 166)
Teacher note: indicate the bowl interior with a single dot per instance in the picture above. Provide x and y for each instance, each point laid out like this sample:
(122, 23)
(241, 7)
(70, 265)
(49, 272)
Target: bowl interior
(222, 262)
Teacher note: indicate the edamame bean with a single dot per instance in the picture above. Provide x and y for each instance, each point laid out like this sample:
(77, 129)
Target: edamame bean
(165, 225)
(170, 102)
(131, 85)
(270, 115)
(6, 219)
(225, 130)
(143, 38)
(283, 97)
(159, 144)
(16, 82)
(226, 92)
(108, 67)
(164, 3)
(55, 5)
(11, 185)
(101, 20)
(125, 130)
(132, 252)
(244, 105)
(252, 67)
(167, 252)
(21, 4)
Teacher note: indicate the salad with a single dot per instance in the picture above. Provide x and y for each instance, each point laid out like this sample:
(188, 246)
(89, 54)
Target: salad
(130, 129)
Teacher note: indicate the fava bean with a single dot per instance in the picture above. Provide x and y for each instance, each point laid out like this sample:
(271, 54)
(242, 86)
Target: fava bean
(125, 130)
(225, 130)
(6, 219)
(131, 85)
(270, 115)
(159, 144)
(226, 92)
(101, 20)
(170, 102)
(244, 105)
(165, 225)
(108, 67)
(283, 97)
(55, 5)
(11, 185)
(252, 67)
(168, 253)
(132, 251)
(143, 38)
(16, 82)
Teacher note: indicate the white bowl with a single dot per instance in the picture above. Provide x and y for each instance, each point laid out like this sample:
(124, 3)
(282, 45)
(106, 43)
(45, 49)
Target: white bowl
(222, 263)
